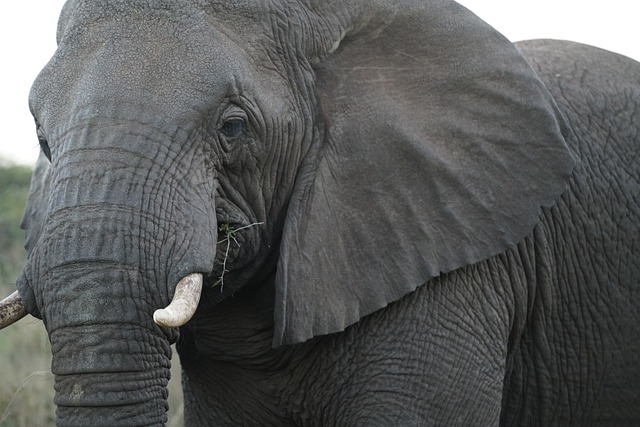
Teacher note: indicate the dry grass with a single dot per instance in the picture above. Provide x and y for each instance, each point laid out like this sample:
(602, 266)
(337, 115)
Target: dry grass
(26, 389)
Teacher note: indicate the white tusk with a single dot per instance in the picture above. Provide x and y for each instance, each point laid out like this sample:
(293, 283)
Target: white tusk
(184, 303)
(11, 310)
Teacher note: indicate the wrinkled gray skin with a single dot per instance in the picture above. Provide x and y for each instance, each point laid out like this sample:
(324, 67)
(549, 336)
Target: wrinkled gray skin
(445, 232)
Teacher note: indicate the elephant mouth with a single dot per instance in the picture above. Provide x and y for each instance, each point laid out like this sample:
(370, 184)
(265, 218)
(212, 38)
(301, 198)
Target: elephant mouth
(236, 245)
(233, 245)
(229, 244)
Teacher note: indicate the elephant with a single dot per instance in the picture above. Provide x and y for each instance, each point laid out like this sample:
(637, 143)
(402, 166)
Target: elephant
(344, 213)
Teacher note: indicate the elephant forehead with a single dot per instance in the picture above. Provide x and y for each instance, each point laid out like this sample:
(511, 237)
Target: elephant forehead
(173, 58)
(152, 47)
(193, 27)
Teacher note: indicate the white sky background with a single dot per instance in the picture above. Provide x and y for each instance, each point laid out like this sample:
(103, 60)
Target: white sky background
(27, 41)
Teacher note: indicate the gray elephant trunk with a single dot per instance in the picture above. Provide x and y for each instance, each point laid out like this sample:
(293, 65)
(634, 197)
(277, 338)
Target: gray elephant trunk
(116, 242)
(151, 412)
(111, 362)
(97, 388)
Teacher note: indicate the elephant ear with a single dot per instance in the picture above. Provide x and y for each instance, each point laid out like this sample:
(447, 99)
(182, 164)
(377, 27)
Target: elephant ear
(440, 145)
(37, 202)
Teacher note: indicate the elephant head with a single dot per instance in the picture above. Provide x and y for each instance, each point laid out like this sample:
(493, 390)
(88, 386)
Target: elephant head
(346, 151)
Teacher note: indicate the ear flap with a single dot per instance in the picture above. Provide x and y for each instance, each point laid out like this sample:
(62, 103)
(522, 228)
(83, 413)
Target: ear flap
(440, 147)
(37, 202)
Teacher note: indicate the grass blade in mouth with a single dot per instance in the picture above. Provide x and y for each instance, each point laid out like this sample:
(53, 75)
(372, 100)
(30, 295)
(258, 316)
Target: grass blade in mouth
(229, 233)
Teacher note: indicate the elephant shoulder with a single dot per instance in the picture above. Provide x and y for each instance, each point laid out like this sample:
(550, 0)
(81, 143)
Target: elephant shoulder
(598, 91)
(561, 58)
(580, 74)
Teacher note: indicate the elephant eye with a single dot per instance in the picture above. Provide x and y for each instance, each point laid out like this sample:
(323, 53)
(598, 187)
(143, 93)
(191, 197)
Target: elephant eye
(44, 145)
(234, 127)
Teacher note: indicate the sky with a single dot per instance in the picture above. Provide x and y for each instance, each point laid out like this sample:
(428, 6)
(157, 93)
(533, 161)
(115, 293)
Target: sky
(27, 41)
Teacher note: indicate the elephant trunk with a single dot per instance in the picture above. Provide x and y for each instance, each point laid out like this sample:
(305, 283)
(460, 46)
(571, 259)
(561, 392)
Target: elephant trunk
(100, 382)
(110, 360)
(118, 240)
(147, 408)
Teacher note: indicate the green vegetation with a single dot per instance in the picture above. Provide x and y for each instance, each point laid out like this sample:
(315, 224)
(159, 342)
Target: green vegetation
(14, 185)
(26, 389)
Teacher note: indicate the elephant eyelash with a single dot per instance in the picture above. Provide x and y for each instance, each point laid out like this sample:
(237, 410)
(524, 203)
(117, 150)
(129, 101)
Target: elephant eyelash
(44, 145)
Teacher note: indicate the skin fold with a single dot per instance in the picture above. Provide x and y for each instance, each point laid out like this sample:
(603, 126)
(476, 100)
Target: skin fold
(401, 217)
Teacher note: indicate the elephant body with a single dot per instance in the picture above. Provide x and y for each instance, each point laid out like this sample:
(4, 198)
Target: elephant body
(550, 337)
(593, 261)
(400, 217)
